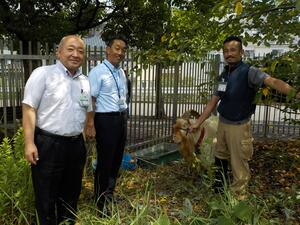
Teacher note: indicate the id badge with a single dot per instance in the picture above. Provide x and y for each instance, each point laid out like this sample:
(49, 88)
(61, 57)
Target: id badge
(84, 99)
(222, 86)
(121, 101)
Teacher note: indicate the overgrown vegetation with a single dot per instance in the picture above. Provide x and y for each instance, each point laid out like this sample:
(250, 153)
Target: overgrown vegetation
(16, 194)
(167, 194)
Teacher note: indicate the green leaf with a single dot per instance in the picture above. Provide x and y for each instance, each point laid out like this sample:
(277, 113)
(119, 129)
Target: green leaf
(162, 220)
(273, 66)
(163, 38)
(265, 91)
(238, 8)
(188, 207)
(222, 220)
(278, 2)
(242, 211)
(294, 67)
(298, 5)
(291, 94)
(217, 205)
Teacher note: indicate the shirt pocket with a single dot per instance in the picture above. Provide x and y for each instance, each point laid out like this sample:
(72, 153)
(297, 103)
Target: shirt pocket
(107, 85)
(57, 92)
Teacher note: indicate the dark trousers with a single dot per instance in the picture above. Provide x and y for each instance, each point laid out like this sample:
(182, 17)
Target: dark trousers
(57, 177)
(111, 132)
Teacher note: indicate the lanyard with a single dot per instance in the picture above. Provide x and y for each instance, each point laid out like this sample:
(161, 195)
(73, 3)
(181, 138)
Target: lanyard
(114, 79)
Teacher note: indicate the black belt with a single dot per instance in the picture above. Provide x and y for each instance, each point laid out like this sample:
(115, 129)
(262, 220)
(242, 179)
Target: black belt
(49, 134)
(121, 113)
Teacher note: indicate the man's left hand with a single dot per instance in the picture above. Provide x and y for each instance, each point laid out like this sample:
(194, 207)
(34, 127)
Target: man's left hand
(90, 131)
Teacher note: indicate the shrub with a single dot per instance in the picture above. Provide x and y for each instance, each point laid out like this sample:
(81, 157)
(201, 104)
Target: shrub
(16, 193)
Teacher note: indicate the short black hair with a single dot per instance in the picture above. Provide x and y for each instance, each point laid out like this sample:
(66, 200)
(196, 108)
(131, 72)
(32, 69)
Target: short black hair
(109, 41)
(233, 38)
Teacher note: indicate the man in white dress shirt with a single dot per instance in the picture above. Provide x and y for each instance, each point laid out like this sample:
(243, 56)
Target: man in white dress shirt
(56, 100)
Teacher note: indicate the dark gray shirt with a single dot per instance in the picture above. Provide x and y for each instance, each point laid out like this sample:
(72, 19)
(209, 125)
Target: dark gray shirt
(256, 78)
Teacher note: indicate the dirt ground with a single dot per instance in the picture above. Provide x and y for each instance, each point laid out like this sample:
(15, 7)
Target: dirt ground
(275, 170)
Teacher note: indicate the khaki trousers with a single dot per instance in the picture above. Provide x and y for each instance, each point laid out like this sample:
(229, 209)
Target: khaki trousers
(235, 144)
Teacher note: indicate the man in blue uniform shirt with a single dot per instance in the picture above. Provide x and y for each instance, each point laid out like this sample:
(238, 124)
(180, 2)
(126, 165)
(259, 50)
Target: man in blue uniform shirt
(235, 94)
(108, 122)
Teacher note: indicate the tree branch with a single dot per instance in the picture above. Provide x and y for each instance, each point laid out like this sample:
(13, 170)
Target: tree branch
(92, 21)
(286, 7)
(251, 15)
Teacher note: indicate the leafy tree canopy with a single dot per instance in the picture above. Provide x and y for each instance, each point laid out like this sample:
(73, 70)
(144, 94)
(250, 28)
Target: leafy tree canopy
(192, 32)
(142, 21)
(50, 20)
(172, 30)
(148, 22)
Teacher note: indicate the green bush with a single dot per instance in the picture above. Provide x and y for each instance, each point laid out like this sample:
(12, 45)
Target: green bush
(16, 193)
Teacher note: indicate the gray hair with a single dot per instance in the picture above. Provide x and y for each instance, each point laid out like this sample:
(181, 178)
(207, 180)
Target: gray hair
(63, 40)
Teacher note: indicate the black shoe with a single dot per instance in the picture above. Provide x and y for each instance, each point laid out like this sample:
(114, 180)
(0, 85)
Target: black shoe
(104, 205)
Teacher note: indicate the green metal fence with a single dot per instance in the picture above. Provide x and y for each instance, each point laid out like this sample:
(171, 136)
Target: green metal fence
(159, 94)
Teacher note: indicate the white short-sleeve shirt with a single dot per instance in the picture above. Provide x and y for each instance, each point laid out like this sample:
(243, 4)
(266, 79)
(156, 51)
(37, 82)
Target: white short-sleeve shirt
(61, 100)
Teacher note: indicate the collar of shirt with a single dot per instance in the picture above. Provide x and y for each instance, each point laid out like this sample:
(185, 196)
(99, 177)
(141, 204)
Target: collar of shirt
(111, 66)
(234, 67)
(66, 71)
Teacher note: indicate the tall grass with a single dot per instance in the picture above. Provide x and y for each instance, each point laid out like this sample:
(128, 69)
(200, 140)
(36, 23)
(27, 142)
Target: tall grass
(140, 211)
(16, 193)
(145, 209)
(140, 206)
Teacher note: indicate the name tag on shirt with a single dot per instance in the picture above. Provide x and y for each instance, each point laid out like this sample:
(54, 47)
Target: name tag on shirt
(121, 101)
(84, 99)
(222, 86)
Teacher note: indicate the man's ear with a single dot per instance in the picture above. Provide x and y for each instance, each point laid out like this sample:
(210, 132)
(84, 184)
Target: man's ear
(107, 51)
(242, 52)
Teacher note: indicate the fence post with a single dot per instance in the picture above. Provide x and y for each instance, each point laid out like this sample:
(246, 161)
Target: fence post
(85, 61)
(216, 70)
(265, 126)
(159, 104)
(175, 92)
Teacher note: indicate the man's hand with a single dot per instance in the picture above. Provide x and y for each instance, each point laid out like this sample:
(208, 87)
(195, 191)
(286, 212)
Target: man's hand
(31, 154)
(90, 131)
(194, 127)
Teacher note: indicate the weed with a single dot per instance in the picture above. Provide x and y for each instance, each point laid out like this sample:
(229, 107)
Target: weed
(16, 194)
